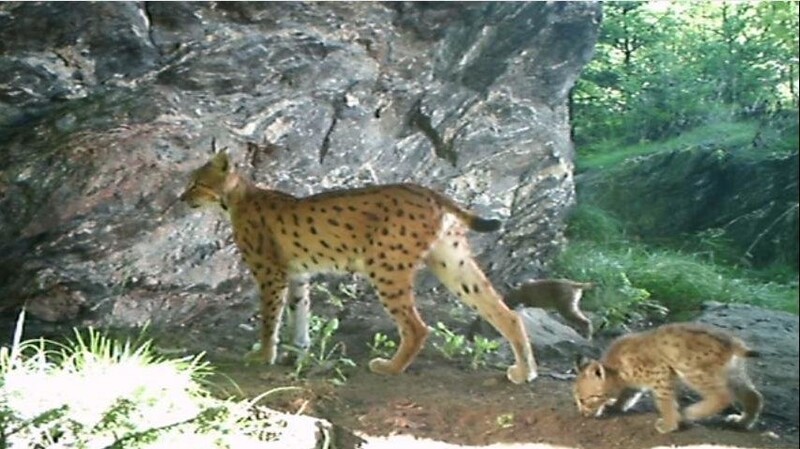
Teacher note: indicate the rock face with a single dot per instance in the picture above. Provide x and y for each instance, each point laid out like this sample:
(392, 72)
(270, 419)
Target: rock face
(105, 108)
(775, 336)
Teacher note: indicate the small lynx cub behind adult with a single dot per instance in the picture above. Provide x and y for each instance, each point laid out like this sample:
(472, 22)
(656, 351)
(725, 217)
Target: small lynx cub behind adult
(562, 295)
(385, 233)
(706, 359)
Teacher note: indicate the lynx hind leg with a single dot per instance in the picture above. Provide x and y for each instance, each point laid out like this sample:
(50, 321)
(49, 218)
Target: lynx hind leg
(395, 290)
(451, 261)
(299, 313)
(715, 392)
(746, 396)
(571, 312)
(273, 298)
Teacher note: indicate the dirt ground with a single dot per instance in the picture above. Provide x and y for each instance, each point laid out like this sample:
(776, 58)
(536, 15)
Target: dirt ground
(439, 400)
(447, 401)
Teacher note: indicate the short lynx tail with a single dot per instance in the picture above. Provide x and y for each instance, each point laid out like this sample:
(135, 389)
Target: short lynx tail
(741, 349)
(752, 354)
(482, 224)
(474, 222)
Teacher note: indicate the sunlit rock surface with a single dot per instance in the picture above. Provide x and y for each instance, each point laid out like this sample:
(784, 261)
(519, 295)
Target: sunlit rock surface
(106, 107)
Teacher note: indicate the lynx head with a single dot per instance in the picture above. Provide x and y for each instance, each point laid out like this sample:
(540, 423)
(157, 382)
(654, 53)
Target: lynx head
(592, 387)
(206, 183)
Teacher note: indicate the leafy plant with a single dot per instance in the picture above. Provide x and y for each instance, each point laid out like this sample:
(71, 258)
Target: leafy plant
(449, 343)
(381, 345)
(330, 297)
(323, 355)
(481, 348)
(505, 421)
(453, 345)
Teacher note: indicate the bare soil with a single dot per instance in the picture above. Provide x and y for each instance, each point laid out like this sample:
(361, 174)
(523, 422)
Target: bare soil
(440, 400)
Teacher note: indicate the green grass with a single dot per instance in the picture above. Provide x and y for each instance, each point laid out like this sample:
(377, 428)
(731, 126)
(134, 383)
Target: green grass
(632, 276)
(95, 391)
(639, 279)
(324, 355)
(612, 152)
(636, 280)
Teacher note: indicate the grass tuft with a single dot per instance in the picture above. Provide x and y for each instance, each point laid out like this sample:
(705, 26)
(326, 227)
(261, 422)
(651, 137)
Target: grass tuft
(95, 391)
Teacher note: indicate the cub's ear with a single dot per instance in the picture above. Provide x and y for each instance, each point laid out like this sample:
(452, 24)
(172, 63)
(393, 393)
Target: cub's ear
(581, 361)
(220, 161)
(598, 370)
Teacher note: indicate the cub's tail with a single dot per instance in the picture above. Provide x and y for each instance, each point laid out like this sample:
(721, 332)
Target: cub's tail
(583, 285)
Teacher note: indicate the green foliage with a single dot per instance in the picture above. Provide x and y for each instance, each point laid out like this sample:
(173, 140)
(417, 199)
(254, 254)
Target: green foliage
(482, 347)
(664, 67)
(723, 135)
(453, 345)
(505, 421)
(94, 391)
(450, 344)
(668, 77)
(588, 222)
(323, 354)
(636, 281)
(382, 346)
(616, 297)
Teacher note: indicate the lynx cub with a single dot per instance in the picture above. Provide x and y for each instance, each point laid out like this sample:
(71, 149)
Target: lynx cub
(562, 295)
(383, 232)
(707, 359)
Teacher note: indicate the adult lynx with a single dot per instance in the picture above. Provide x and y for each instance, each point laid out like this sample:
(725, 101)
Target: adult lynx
(385, 233)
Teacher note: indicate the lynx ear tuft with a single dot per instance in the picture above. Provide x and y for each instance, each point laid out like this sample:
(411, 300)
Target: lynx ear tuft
(220, 161)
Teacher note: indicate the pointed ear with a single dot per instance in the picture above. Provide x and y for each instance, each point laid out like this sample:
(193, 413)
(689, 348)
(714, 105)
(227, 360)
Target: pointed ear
(220, 161)
(598, 370)
(581, 361)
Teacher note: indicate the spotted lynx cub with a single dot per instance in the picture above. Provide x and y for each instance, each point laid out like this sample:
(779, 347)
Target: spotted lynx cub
(562, 295)
(382, 232)
(707, 359)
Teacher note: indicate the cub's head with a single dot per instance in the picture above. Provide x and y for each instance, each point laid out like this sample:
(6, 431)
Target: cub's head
(592, 387)
(206, 184)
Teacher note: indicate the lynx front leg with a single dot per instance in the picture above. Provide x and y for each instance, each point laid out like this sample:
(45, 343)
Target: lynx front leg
(669, 416)
(273, 297)
(452, 262)
(299, 313)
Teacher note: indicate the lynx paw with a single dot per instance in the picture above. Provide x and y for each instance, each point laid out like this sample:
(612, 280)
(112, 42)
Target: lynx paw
(382, 366)
(666, 427)
(260, 355)
(519, 375)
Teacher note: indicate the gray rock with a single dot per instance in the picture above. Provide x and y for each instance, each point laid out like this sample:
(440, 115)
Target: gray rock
(775, 336)
(105, 108)
(552, 338)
